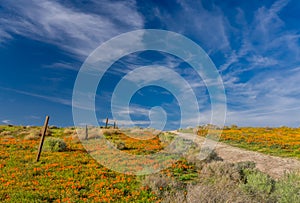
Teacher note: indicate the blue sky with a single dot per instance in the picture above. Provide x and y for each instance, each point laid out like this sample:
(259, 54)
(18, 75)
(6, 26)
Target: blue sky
(255, 45)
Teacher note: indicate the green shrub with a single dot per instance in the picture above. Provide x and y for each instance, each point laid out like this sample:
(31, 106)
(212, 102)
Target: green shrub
(54, 144)
(287, 189)
(166, 137)
(241, 166)
(257, 184)
(244, 168)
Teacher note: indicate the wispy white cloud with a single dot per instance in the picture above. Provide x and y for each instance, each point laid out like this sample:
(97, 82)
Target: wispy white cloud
(73, 30)
(48, 98)
(264, 42)
(34, 117)
(122, 115)
(54, 99)
(63, 65)
(269, 94)
(6, 121)
(267, 99)
(133, 109)
(209, 28)
(126, 123)
(265, 117)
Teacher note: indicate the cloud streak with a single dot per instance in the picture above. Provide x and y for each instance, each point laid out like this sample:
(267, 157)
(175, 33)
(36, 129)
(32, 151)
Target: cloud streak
(6, 121)
(70, 29)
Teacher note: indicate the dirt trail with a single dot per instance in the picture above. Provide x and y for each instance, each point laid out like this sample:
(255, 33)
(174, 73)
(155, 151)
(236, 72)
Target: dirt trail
(272, 165)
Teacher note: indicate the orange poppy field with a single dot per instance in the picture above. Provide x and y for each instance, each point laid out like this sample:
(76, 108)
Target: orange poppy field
(71, 175)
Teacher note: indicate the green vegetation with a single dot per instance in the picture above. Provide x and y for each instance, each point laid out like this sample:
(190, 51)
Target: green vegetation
(54, 144)
(287, 189)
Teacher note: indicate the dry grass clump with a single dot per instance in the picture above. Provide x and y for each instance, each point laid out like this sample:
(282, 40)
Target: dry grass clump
(142, 131)
(174, 196)
(31, 136)
(79, 133)
(92, 132)
(109, 132)
(220, 182)
(75, 139)
(34, 134)
(5, 133)
(165, 187)
(121, 146)
(23, 133)
(72, 133)
(69, 131)
(166, 137)
(222, 170)
(201, 157)
(220, 190)
(53, 127)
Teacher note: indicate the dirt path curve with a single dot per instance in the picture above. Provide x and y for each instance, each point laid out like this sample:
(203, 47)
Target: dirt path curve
(272, 165)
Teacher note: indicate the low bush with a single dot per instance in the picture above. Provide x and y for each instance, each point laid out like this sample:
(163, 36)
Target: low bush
(121, 146)
(165, 187)
(69, 131)
(219, 190)
(221, 170)
(287, 189)
(34, 134)
(110, 132)
(258, 185)
(5, 133)
(54, 145)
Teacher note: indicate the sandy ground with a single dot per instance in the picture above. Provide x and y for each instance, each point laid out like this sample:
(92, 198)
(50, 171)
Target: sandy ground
(272, 165)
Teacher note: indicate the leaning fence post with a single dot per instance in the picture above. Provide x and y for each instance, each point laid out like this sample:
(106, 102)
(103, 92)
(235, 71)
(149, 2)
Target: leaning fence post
(42, 138)
(86, 132)
(106, 122)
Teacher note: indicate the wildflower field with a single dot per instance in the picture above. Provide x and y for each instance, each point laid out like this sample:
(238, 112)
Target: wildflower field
(67, 173)
(281, 141)
(71, 175)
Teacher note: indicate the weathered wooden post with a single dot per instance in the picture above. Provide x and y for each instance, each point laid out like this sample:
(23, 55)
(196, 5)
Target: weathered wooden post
(106, 123)
(42, 138)
(86, 132)
(114, 124)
